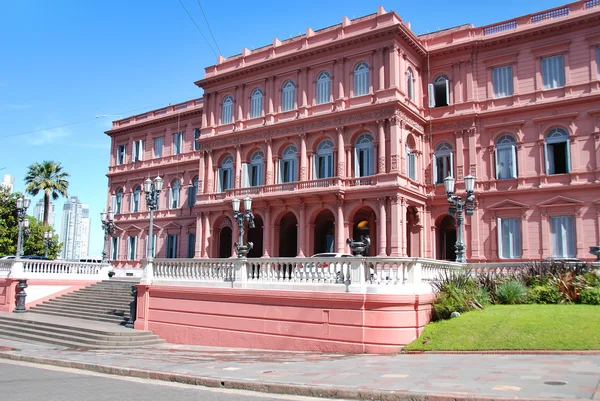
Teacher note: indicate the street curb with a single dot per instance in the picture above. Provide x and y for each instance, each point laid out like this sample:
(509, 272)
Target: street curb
(273, 388)
(509, 352)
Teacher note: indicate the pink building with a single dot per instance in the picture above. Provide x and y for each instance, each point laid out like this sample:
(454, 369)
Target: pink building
(362, 121)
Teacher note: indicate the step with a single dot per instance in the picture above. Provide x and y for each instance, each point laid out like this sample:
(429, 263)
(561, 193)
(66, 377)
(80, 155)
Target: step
(105, 291)
(91, 304)
(107, 319)
(37, 320)
(69, 309)
(79, 337)
(73, 344)
(96, 298)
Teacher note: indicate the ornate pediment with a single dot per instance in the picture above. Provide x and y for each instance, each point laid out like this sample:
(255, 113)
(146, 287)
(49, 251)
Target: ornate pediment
(172, 225)
(132, 227)
(508, 204)
(561, 201)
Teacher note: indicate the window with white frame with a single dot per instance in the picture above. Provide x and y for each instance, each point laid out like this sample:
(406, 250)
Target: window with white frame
(135, 199)
(364, 156)
(506, 157)
(177, 143)
(196, 137)
(509, 238)
(411, 163)
(288, 95)
(192, 193)
(132, 247)
(114, 248)
(323, 87)
(256, 103)
(361, 79)
(121, 152)
(138, 150)
(174, 192)
(225, 175)
(410, 84)
(117, 201)
(323, 160)
(558, 156)
(191, 251)
(158, 146)
(553, 72)
(171, 246)
(562, 236)
(439, 91)
(288, 165)
(443, 162)
(227, 110)
(502, 81)
(253, 173)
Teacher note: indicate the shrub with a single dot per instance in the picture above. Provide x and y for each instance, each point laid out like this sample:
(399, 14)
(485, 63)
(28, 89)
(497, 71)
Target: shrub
(511, 292)
(590, 296)
(542, 273)
(482, 296)
(457, 291)
(569, 285)
(543, 294)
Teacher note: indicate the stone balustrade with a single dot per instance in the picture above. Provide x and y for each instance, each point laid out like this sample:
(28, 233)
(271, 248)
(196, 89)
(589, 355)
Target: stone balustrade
(53, 269)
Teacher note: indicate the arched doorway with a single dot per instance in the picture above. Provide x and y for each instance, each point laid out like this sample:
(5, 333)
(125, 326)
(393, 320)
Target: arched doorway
(225, 236)
(446, 228)
(324, 232)
(363, 224)
(255, 235)
(288, 235)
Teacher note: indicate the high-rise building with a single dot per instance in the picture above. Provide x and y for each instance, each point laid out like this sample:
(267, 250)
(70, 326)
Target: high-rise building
(8, 181)
(75, 229)
(38, 212)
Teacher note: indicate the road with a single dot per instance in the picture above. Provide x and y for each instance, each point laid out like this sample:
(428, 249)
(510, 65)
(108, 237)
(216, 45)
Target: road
(31, 382)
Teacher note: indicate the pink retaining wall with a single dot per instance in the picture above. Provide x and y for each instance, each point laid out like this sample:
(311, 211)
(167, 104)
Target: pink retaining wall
(283, 320)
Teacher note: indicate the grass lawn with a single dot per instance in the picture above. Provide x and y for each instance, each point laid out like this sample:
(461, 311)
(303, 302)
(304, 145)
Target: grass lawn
(515, 327)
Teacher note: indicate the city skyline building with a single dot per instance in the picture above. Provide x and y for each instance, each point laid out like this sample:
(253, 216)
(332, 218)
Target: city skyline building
(75, 229)
(8, 181)
(38, 212)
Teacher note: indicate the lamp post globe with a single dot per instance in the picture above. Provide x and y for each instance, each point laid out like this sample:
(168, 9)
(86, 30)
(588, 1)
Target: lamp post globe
(459, 207)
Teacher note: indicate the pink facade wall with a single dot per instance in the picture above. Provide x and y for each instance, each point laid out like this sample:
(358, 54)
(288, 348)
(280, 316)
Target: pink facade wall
(406, 215)
(8, 291)
(284, 320)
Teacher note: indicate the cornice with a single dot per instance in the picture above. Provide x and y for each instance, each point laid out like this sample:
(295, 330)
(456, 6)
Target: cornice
(153, 122)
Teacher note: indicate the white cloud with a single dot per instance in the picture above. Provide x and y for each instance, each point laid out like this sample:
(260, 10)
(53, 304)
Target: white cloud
(47, 136)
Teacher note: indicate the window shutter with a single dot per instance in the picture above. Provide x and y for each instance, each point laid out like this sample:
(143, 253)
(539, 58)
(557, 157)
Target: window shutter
(315, 159)
(497, 163)
(513, 164)
(141, 155)
(570, 234)
(451, 165)
(499, 236)
(113, 203)
(294, 170)
(518, 248)
(245, 175)
(549, 159)
(260, 173)
(356, 162)
(219, 179)
(431, 96)
(568, 155)
(447, 92)
(281, 179)
(434, 169)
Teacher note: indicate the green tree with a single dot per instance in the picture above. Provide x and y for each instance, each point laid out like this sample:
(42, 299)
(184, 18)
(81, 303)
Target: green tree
(8, 222)
(49, 178)
(34, 243)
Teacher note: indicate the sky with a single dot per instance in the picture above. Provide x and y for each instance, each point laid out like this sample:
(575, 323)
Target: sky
(70, 67)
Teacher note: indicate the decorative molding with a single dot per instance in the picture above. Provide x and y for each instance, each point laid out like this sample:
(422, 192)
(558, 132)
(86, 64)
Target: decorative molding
(394, 163)
(341, 167)
(458, 125)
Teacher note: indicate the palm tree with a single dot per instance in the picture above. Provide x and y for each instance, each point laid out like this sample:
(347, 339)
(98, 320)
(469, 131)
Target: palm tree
(48, 177)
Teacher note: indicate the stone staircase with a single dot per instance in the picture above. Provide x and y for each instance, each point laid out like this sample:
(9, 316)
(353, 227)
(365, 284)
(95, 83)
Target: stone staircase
(93, 318)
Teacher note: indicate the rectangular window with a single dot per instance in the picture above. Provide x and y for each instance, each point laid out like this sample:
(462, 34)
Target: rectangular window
(114, 248)
(132, 248)
(138, 150)
(553, 72)
(502, 80)
(191, 251)
(509, 238)
(287, 170)
(562, 236)
(171, 246)
(174, 197)
(442, 168)
(121, 149)
(158, 147)
(177, 143)
(505, 163)
(557, 158)
(196, 137)
(192, 191)
(438, 93)
(411, 166)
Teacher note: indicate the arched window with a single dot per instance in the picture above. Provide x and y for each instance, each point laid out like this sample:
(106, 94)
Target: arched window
(257, 169)
(288, 165)
(256, 103)
(558, 155)
(410, 84)
(506, 157)
(411, 162)
(323, 87)
(192, 192)
(439, 91)
(118, 201)
(443, 163)
(323, 160)
(364, 156)
(361, 79)
(226, 110)
(135, 199)
(225, 175)
(174, 194)
(288, 95)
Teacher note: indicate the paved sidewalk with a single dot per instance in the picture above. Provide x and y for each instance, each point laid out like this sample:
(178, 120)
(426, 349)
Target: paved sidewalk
(378, 377)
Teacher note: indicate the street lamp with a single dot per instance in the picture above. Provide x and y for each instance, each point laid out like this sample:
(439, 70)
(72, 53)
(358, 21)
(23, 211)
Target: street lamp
(456, 208)
(241, 249)
(152, 189)
(47, 241)
(22, 205)
(109, 228)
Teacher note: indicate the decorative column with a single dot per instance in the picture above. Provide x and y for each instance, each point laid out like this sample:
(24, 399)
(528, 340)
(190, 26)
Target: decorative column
(339, 83)
(302, 230)
(349, 159)
(303, 169)
(210, 173)
(382, 226)
(395, 236)
(341, 164)
(201, 173)
(269, 162)
(545, 229)
(340, 241)
(459, 155)
(422, 232)
(199, 233)
(303, 89)
(267, 232)
(393, 66)
(580, 251)
(270, 86)
(238, 167)
(381, 150)
(403, 226)
(206, 236)
(379, 56)
(395, 126)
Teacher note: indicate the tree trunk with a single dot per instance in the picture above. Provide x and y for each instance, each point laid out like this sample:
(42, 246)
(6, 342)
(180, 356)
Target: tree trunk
(46, 207)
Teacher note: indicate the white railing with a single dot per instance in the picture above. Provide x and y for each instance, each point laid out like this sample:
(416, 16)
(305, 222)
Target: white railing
(5, 266)
(350, 274)
(57, 269)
